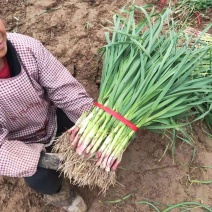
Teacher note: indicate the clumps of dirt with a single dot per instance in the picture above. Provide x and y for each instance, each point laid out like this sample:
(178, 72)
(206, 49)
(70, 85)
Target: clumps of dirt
(16, 196)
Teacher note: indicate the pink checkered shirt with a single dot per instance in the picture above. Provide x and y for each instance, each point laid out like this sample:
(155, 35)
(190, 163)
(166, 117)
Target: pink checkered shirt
(27, 115)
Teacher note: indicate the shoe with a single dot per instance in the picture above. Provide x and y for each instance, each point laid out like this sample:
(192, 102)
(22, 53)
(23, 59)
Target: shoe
(78, 205)
(67, 199)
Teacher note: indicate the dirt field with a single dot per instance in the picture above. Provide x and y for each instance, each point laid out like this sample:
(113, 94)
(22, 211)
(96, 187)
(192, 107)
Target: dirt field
(72, 31)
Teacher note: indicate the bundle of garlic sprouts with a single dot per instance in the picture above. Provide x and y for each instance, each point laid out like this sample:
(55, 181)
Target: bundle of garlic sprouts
(149, 80)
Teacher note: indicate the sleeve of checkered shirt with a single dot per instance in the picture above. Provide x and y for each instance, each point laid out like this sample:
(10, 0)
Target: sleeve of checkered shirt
(18, 159)
(62, 88)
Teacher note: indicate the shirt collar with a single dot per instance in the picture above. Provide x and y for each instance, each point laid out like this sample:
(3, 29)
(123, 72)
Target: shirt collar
(12, 59)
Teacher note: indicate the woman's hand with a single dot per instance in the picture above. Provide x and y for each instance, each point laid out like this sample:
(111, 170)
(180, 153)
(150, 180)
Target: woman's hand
(73, 135)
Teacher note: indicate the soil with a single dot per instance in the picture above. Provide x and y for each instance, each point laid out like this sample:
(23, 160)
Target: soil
(72, 30)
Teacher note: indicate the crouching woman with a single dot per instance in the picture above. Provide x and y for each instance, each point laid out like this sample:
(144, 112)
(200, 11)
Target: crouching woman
(39, 99)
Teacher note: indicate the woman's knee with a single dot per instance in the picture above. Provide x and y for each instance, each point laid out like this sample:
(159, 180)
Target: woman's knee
(45, 181)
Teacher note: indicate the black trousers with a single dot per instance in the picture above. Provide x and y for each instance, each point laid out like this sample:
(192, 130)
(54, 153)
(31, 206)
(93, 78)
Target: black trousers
(47, 181)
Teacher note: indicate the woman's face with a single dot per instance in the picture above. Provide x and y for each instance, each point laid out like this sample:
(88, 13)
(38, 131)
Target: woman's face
(3, 40)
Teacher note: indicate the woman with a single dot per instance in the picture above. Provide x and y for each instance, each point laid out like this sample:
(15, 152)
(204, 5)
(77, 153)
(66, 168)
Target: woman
(38, 99)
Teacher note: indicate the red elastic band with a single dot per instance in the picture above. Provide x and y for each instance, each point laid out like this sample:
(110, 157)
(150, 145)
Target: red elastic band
(117, 116)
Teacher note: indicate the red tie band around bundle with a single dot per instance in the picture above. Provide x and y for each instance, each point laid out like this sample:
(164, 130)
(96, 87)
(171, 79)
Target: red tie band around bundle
(117, 116)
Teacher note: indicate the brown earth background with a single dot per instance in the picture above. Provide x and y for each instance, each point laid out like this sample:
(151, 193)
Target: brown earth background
(73, 31)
